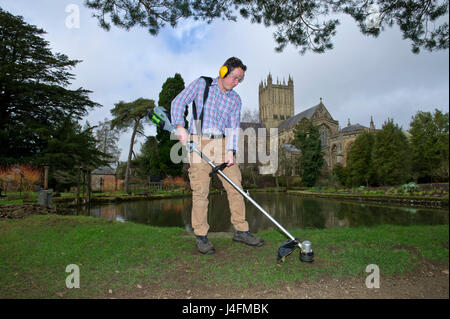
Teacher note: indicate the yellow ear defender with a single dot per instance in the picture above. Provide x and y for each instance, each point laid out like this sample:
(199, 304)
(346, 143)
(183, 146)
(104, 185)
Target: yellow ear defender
(223, 71)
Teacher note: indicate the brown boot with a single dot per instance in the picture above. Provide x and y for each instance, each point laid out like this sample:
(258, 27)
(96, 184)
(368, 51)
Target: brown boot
(247, 238)
(204, 245)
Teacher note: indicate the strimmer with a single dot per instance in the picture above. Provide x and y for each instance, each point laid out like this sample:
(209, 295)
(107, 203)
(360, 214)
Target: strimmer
(159, 117)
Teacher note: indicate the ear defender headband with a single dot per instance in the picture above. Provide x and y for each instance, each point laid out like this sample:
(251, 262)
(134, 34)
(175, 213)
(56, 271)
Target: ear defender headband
(223, 71)
(229, 66)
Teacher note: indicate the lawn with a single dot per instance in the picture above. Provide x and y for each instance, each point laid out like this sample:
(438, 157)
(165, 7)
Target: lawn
(35, 251)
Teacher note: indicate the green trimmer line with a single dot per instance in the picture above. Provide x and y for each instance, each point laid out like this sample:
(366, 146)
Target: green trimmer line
(159, 117)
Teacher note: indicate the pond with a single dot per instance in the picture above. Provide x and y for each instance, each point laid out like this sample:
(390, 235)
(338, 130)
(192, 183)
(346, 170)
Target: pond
(289, 210)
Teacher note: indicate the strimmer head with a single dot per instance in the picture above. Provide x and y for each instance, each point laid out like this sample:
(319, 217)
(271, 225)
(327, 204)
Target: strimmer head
(306, 253)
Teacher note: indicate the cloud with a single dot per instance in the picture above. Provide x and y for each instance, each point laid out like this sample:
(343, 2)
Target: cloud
(360, 77)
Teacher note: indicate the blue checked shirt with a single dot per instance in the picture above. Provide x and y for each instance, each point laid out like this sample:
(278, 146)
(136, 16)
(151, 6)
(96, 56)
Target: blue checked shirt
(221, 112)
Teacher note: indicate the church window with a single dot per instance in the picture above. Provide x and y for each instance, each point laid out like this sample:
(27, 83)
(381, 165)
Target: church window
(323, 136)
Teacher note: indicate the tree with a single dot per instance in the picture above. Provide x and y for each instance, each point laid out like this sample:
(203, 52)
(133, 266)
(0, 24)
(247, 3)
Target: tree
(147, 160)
(107, 139)
(69, 147)
(130, 115)
(429, 144)
(391, 155)
(251, 116)
(340, 172)
(359, 163)
(33, 90)
(305, 24)
(160, 159)
(307, 140)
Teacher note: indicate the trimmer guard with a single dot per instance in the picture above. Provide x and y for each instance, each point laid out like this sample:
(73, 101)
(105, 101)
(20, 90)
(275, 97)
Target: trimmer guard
(286, 249)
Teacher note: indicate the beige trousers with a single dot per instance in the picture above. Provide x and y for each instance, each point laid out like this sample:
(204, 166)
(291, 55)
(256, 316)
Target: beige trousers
(199, 178)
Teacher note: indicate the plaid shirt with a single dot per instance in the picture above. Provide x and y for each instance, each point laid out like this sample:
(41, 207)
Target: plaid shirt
(221, 113)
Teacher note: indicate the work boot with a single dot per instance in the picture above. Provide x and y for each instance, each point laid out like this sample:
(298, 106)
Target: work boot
(247, 238)
(204, 245)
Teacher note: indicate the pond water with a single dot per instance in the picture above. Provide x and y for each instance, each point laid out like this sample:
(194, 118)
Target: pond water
(291, 211)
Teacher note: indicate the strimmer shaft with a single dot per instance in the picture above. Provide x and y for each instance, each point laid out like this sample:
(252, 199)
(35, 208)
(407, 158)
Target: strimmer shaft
(192, 147)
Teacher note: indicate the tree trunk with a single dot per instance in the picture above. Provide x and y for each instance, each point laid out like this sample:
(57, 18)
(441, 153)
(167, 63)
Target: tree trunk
(84, 184)
(46, 177)
(89, 189)
(130, 153)
(78, 185)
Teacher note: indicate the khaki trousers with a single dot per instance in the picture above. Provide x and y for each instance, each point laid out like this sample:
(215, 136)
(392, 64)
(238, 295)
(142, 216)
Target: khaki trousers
(199, 178)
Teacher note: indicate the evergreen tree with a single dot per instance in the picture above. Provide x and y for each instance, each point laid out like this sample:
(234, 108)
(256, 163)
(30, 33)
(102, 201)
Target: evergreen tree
(430, 145)
(306, 24)
(69, 147)
(391, 155)
(340, 172)
(307, 140)
(131, 115)
(359, 162)
(147, 160)
(33, 91)
(160, 158)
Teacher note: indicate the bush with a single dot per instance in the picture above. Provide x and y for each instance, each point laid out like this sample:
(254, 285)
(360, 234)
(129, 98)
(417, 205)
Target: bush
(295, 181)
(282, 181)
(410, 187)
(391, 190)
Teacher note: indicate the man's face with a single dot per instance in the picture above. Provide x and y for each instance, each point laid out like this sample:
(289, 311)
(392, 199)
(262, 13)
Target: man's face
(233, 79)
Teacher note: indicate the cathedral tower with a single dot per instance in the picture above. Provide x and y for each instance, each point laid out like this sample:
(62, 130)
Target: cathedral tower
(276, 101)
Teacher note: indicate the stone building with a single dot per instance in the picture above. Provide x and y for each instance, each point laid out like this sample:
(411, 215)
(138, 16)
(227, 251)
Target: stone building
(276, 110)
(104, 179)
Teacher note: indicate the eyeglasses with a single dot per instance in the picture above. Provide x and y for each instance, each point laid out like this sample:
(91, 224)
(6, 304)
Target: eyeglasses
(235, 78)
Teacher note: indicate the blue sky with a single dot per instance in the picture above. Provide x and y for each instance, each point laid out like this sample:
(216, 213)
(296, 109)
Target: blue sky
(359, 78)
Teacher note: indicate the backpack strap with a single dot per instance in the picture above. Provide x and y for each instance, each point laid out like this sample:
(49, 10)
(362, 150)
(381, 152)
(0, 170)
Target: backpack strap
(208, 81)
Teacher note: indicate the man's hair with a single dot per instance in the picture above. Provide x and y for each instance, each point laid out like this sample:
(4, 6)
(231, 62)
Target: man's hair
(233, 63)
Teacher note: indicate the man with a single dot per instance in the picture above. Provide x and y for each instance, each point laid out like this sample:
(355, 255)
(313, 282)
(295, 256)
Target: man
(216, 133)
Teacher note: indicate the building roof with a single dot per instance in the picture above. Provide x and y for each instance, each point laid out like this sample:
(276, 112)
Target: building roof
(354, 127)
(246, 125)
(104, 170)
(292, 121)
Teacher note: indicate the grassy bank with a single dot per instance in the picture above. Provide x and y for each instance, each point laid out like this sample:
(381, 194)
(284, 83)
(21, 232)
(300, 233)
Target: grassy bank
(35, 251)
(390, 199)
(96, 197)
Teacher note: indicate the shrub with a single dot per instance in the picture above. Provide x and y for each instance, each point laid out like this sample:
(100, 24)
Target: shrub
(391, 190)
(410, 187)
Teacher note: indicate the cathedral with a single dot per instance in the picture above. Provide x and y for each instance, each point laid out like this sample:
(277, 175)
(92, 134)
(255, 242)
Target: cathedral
(276, 110)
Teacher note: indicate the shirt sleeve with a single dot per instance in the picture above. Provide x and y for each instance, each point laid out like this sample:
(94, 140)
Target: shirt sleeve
(179, 103)
(233, 127)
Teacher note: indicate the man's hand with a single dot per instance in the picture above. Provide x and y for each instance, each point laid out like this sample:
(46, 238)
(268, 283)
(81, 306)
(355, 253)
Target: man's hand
(182, 135)
(230, 158)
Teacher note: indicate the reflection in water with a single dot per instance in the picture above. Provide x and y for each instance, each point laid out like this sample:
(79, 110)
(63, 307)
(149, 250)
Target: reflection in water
(289, 210)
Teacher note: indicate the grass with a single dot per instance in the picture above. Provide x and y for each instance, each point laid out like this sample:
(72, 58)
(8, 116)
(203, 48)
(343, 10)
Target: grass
(35, 251)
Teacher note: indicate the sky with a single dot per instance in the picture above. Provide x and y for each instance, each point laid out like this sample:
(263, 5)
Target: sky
(361, 77)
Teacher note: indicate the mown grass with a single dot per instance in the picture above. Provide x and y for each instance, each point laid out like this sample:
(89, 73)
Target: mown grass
(35, 251)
